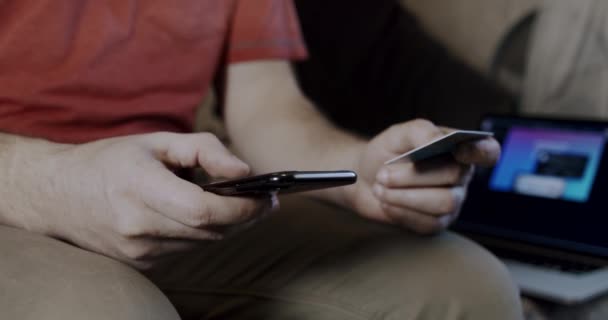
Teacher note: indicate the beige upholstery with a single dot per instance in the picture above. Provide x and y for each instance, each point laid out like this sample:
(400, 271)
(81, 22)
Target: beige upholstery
(470, 28)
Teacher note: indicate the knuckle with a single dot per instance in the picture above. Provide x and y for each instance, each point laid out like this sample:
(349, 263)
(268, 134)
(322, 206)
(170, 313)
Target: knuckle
(129, 229)
(152, 136)
(396, 127)
(165, 134)
(399, 175)
(422, 131)
(245, 211)
(192, 210)
(422, 124)
(201, 216)
(394, 137)
(208, 137)
(160, 135)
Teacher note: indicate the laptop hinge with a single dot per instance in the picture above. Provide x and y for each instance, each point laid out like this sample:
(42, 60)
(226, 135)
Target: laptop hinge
(498, 243)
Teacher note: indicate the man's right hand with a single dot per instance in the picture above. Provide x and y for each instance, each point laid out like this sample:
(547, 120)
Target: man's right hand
(119, 196)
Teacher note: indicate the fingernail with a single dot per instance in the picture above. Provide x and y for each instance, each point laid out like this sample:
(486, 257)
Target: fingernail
(459, 194)
(484, 146)
(236, 159)
(445, 221)
(239, 162)
(378, 190)
(383, 176)
(216, 237)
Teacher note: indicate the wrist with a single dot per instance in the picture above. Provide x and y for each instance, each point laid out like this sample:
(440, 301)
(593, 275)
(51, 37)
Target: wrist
(349, 157)
(27, 166)
(8, 145)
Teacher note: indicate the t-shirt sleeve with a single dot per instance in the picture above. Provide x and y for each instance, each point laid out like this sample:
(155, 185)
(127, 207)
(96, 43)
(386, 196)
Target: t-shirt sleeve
(265, 29)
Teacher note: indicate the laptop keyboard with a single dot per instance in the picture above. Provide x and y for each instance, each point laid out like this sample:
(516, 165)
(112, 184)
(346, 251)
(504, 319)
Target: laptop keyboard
(564, 265)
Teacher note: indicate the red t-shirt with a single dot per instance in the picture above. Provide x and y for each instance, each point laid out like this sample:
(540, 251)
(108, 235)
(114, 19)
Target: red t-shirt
(80, 70)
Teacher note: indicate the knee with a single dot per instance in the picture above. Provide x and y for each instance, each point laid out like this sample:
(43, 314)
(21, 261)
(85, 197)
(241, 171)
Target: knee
(450, 277)
(44, 278)
(111, 291)
(407, 277)
(470, 281)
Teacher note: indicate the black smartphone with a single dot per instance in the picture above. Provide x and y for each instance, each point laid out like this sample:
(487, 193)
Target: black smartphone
(282, 182)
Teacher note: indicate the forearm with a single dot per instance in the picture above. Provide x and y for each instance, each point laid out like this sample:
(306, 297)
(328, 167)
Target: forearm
(276, 128)
(17, 175)
(8, 146)
(297, 137)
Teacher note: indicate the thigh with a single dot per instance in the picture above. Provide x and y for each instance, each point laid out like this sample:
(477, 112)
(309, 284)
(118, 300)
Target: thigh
(42, 278)
(313, 261)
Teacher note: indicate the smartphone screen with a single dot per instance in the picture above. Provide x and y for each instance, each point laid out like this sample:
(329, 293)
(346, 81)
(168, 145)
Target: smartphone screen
(282, 182)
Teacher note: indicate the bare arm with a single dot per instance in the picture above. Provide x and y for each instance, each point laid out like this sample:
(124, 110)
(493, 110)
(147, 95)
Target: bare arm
(274, 127)
(15, 154)
(7, 164)
(119, 196)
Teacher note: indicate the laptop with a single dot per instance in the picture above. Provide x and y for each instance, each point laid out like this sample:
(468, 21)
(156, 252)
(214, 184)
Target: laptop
(543, 209)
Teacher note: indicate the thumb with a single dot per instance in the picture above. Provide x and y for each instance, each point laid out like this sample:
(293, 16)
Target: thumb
(196, 149)
(409, 135)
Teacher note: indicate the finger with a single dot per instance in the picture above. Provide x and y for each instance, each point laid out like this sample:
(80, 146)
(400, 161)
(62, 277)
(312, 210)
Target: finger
(200, 149)
(188, 204)
(431, 173)
(484, 152)
(410, 135)
(149, 249)
(431, 201)
(230, 231)
(150, 223)
(415, 221)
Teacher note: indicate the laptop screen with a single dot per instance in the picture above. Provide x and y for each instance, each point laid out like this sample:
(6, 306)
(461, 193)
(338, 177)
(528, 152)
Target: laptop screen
(549, 188)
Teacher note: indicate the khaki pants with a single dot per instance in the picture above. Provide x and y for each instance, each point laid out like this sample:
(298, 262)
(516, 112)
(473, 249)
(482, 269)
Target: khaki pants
(309, 261)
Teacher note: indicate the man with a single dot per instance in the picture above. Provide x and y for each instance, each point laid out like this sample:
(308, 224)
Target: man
(93, 98)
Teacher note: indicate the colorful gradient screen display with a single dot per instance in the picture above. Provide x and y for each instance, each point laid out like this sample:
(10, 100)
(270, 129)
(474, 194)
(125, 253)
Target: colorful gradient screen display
(550, 186)
(549, 163)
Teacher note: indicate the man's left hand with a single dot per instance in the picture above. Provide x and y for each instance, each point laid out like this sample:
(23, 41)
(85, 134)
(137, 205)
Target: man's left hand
(423, 197)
